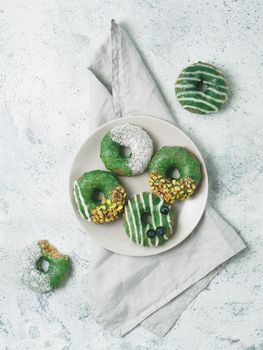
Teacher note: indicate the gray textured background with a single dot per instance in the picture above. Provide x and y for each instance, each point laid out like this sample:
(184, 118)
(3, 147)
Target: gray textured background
(45, 47)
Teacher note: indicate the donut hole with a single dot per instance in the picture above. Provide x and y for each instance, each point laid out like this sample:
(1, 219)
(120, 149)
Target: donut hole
(43, 264)
(173, 173)
(97, 196)
(126, 151)
(147, 218)
(201, 86)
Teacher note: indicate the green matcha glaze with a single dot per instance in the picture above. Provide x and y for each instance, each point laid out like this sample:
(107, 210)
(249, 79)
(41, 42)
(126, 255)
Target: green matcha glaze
(59, 264)
(92, 208)
(112, 157)
(96, 180)
(58, 269)
(207, 100)
(168, 158)
(136, 225)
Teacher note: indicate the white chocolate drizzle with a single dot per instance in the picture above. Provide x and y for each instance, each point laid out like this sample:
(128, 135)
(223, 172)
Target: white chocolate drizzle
(82, 200)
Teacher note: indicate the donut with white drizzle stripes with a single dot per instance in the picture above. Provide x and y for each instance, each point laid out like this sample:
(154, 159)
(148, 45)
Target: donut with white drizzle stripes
(201, 88)
(139, 230)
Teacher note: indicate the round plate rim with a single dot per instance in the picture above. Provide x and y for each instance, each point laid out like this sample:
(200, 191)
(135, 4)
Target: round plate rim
(124, 119)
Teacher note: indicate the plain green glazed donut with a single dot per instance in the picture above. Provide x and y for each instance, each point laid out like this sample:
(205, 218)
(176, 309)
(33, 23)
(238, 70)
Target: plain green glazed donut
(160, 181)
(201, 88)
(99, 211)
(138, 228)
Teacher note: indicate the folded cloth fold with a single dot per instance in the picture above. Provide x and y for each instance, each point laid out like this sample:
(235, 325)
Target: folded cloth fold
(152, 291)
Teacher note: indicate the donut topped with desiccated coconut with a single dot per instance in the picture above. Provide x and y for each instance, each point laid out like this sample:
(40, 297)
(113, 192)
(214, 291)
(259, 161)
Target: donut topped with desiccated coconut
(131, 137)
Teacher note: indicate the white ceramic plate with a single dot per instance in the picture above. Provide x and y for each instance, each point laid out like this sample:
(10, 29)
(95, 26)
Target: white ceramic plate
(188, 213)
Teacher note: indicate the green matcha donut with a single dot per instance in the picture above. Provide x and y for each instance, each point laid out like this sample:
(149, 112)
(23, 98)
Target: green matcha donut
(33, 274)
(126, 135)
(201, 88)
(170, 158)
(137, 227)
(99, 211)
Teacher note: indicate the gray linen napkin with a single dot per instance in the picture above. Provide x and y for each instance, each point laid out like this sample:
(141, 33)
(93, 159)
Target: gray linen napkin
(151, 291)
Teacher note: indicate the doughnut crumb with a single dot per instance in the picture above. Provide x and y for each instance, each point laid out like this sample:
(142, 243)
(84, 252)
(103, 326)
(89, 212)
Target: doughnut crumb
(49, 249)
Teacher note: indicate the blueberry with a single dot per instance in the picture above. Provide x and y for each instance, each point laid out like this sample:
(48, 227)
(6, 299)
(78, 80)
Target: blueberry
(164, 210)
(151, 233)
(160, 231)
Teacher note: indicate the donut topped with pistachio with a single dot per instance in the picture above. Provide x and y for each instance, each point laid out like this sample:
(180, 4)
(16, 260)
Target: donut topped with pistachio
(131, 137)
(148, 221)
(160, 173)
(94, 209)
(201, 88)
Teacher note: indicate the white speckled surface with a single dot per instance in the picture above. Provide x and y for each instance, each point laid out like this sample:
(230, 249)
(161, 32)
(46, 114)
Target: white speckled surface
(45, 47)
